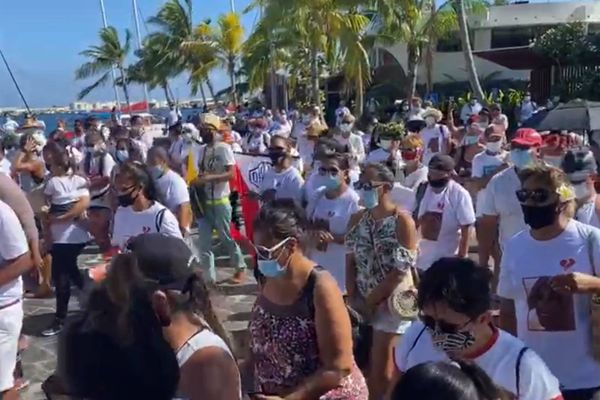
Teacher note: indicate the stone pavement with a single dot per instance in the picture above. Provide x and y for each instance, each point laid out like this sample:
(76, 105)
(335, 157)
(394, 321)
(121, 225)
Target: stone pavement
(232, 304)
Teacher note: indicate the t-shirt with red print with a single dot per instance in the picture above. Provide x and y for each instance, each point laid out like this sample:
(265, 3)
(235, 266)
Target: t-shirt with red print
(555, 325)
(129, 223)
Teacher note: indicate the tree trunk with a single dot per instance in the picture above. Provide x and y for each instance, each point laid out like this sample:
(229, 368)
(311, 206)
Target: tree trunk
(211, 90)
(413, 69)
(165, 87)
(202, 93)
(314, 76)
(360, 94)
(231, 68)
(125, 90)
(466, 47)
(429, 65)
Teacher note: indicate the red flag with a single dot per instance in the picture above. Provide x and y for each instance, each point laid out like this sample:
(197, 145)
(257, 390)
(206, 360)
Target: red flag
(249, 206)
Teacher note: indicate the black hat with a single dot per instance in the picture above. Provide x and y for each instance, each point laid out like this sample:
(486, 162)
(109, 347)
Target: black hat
(442, 162)
(164, 259)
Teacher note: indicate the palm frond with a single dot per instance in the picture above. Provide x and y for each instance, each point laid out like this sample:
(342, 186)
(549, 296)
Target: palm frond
(100, 82)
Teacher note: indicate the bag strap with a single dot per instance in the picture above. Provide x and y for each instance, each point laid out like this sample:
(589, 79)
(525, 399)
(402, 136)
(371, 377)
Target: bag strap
(590, 250)
(518, 370)
(419, 195)
(159, 218)
(416, 341)
(308, 293)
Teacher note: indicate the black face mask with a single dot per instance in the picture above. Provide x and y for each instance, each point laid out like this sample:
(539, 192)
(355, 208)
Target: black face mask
(276, 156)
(127, 199)
(439, 183)
(539, 217)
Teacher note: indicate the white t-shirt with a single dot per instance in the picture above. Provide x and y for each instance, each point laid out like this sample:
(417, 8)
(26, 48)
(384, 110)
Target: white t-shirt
(355, 144)
(556, 326)
(5, 166)
(381, 155)
(64, 190)
(456, 207)
(337, 212)
(415, 178)
(129, 223)
(214, 160)
(287, 184)
(403, 197)
(13, 244)
(499, 361)
(484, 165)
(439, 133)
(587, 213)
(172, 190)
(257, 144)
(501, 201)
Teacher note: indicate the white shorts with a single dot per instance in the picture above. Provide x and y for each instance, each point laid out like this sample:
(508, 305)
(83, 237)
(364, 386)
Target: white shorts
(11, 321)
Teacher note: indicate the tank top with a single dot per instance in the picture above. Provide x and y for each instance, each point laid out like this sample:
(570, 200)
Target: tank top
(201, 340)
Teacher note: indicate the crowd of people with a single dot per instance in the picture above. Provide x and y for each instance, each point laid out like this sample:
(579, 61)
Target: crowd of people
(362, 244)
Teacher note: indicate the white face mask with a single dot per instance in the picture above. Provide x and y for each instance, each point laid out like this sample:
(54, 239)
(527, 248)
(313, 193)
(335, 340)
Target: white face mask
(344, 127)
(554, 161)
(581, 190)
(385, 144)
(430, 121)
(493, 147)
(526, 99)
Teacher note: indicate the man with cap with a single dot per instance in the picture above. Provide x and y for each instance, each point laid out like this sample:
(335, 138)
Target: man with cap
(580, 167)
(444, 214)
(216, 165)
(501, 212)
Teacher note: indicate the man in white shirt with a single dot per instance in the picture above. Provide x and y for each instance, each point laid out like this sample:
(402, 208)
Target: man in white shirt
(172, 190)
(497, 118)
(528, 107)
(282, 180)
(473, 107)
(501, 212)
(15, 261)
(456, 324)
(435, 136)
(416, 110)
(216, 168)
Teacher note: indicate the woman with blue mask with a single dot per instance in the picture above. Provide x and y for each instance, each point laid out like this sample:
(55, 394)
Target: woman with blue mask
(300, 331)
(381, 243)
(329, 210)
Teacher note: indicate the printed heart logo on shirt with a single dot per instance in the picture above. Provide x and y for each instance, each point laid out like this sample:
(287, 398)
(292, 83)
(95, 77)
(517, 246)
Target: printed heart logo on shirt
(146, 229)
(567, 263)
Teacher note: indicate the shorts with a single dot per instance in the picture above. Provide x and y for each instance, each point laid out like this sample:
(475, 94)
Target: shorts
(11, 321)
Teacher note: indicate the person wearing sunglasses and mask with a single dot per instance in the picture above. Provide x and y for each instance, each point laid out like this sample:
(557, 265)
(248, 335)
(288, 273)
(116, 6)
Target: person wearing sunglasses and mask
(282, 180)
(580, 167)
(501, 213)
(555, 146)
(347, 137)
(485, 165)
(444, 214)
(329, 210)
(300, 331)
(547, 277)
(455, 323)
(382, 243)
(139, 211)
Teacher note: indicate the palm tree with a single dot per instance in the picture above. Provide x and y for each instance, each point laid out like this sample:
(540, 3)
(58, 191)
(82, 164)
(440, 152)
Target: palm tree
(103, 58)
(228, 41)
(467, 52)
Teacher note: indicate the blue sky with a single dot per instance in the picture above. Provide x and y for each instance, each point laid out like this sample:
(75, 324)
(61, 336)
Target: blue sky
(42, 40)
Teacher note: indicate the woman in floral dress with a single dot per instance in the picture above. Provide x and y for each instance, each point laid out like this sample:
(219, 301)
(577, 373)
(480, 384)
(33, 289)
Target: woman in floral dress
(300, 333)
(382, 244)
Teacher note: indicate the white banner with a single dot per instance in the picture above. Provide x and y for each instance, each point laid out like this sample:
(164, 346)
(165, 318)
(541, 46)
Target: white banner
(253, 168)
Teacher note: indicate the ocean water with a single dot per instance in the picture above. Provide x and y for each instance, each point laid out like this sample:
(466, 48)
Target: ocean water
(51, 120)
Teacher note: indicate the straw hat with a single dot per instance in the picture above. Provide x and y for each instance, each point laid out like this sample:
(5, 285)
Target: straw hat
(29, 124)
(433, 112)
(210, 119)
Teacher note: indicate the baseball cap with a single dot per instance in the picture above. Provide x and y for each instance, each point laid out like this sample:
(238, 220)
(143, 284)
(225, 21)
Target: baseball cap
(442, 162)
(578, 164)
(164, 259)
(527, 137)
(210, 119)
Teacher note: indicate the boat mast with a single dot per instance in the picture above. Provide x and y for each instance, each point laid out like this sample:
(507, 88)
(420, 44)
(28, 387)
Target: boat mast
(136, 18)
(15, 81)
(232, 5)
(112, 70)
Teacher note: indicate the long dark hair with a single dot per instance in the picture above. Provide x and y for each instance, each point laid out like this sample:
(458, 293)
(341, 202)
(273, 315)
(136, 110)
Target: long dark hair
(139, 173)
(60, 156)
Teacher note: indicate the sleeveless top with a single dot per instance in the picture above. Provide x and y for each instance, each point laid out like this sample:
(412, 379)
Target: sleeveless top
(283, 341)
(200, 340)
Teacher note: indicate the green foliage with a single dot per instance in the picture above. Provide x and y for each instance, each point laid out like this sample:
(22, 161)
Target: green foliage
(565, 43)
(391, 130)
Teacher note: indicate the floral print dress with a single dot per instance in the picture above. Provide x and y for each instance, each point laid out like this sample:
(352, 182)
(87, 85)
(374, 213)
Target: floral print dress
(283, 340)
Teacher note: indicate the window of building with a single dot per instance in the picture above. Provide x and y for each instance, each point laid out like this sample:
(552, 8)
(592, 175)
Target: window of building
(516, 36)
(449, 44)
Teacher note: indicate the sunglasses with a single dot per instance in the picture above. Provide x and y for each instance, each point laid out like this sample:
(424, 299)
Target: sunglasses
(264, 253)
(441, 325)
(331, 171)
(367, 185)
(127, 190)
(536, 195)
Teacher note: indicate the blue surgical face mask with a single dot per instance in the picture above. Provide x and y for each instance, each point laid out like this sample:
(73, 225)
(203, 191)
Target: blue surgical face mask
(331, 182)
(270, 267)
(470, 140)
(521, 158)
(156, 172)
(370, 198)
(122, 155)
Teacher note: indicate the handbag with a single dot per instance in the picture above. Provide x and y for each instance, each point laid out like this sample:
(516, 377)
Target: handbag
(402, 302)
(594, 305)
